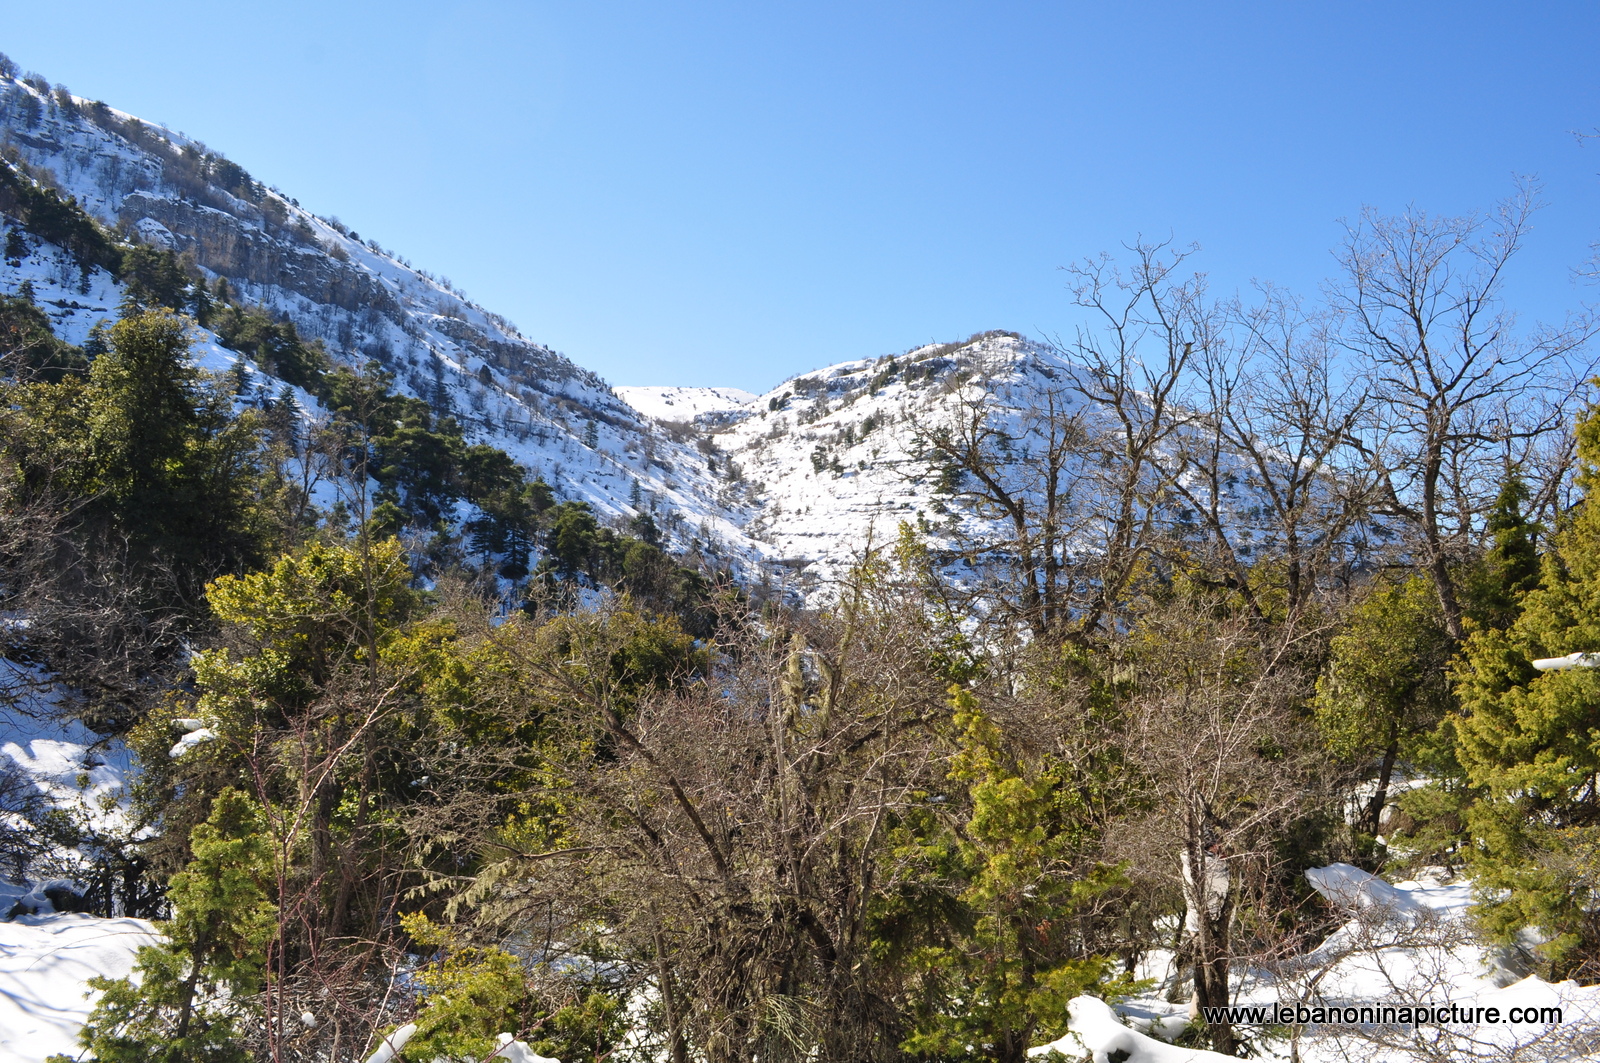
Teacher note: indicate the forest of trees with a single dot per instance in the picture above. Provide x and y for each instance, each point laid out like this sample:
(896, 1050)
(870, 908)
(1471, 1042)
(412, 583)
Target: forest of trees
(1264, 562)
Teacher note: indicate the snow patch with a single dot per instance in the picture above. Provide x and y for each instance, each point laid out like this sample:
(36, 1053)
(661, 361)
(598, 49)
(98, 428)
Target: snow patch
(683, 404)
(45, 963)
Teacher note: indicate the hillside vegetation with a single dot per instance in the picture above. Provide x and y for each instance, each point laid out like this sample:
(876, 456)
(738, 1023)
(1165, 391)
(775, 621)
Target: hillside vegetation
(877, 718)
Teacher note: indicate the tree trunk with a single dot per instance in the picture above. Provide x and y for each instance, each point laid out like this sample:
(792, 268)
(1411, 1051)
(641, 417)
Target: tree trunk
(1373, 815)
(1209, 895)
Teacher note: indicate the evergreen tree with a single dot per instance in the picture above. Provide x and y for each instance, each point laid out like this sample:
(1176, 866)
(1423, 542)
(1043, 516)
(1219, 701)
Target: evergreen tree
(99, 341)
(200, 299)
(1384, 690)
(194, 989)
(154, 279)
(1510, 567)
(169, 468)
(573, 539)
(1003, 960)
(1531, 742)
(643, 526)
(153, 468)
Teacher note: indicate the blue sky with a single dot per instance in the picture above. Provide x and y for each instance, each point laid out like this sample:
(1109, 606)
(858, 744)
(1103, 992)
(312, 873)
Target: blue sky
(729, 193)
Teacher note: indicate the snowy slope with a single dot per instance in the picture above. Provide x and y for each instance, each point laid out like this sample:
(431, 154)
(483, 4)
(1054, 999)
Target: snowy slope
(789, 486)
(836, 457)
(686, 404)
(47, 958)
(45, 964)
(365, 304)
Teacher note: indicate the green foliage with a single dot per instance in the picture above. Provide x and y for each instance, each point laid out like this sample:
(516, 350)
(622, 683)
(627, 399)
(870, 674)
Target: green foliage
(414, 455)
(573, 542)
(1510, 567)
(28, 347)
(470, 993)
(147, 456)
(154, 278)
(275, 346)
(171, 467)
(194, 989)
(1385, 684)
(577, 546)
(313, 695)
(302, 617)
(60, 221)
(1000, 964)
(1531, 741)
(512, 507)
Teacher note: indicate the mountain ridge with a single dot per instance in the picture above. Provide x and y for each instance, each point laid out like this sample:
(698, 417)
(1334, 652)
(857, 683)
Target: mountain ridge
(786, 487)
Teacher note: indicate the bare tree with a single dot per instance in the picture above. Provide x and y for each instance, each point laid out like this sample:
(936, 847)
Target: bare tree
(1261, 467)
(1068, 459)
(1211, 726)
(1456, 387)
(728, 830)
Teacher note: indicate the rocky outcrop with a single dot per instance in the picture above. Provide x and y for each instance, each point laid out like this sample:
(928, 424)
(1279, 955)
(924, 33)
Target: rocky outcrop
(244, 252)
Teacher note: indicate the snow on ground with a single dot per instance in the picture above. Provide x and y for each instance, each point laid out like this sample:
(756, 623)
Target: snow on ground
(45, 963)
(556, 418)
(74, 301)
(74, 770)
(683, 404)
(1404, 944)
(46, 958)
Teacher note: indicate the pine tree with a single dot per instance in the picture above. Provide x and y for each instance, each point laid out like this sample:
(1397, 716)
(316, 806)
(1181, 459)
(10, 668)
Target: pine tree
(200, 299)
(1531, 741)
(194, 989)
(99, 341)
(166, 479)
(1009, 961)
(1510, 567)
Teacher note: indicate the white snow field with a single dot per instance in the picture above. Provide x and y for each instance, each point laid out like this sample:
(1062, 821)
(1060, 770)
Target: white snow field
(46, 962)
(1405, 944)
(683, 404)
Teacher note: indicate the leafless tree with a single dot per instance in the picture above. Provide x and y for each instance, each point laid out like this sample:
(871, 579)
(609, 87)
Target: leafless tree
(1210, 724)
(1261, 468)
(728, 830)
(1069, 459)
(1457, 389)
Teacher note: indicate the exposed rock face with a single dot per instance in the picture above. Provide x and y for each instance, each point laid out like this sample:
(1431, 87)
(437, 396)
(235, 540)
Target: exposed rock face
(168, 191)
(246, 254)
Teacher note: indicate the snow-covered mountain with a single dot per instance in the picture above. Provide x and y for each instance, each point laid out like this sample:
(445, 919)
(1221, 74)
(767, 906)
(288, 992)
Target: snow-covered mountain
(365, 304)
(716, 405)
(786, 487)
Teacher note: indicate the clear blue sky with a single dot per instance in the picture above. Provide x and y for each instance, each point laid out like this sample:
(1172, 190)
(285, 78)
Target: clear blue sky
(728, 193)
